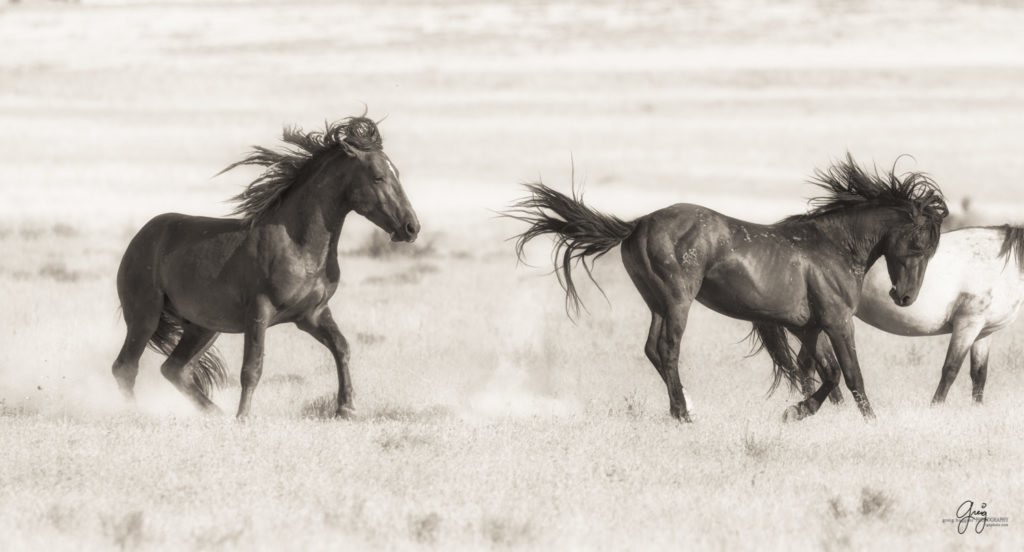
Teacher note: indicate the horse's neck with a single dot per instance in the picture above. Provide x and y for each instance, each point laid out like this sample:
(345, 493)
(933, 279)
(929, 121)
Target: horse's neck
(859, 232)
(313, 213)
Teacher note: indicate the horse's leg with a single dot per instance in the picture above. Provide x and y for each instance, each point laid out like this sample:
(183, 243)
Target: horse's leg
(821, 358)
(827, 362)
(668, 352)
(141, 316)
(841, 335)
(805, 365)
(651, 347)
(979, 368)
(195, 341)
(669, 288)
(964, 334)
(252, 357)
(126, 365)
(323, 328)
(812, 340)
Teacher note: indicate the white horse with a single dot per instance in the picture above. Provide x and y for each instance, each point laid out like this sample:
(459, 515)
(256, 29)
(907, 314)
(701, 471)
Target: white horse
(974, 287)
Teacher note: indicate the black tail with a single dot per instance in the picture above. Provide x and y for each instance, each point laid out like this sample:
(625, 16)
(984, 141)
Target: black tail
(208, 372)
(773, 338)
(580, 232)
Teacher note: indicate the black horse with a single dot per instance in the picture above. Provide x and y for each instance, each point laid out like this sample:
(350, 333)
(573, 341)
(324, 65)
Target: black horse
(184, 279)
(802, 275)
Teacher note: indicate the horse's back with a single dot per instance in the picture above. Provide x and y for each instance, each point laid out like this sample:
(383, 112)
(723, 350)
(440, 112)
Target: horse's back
(737, 268)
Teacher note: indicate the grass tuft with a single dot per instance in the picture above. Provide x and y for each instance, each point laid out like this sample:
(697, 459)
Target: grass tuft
(508, 532)
(321, 408)
(126, 532)
(875, 504)
(285, 379)
(58, 271)
(425, 529)
(758, 447)
(411, 275)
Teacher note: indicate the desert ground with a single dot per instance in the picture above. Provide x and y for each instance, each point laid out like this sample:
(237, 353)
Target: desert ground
(487, 419)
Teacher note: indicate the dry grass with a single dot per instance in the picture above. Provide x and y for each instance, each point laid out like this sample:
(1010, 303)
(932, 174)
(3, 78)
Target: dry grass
(505, 426)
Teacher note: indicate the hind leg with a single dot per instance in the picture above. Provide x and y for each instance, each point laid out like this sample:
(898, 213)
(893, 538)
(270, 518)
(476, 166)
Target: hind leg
(822, 359)
(965, 333)
(669, 342)
(651, 347)
(806, 365)
(813, 340)
(141, 318)
(194, 341)
(979, 368)
(126, 365)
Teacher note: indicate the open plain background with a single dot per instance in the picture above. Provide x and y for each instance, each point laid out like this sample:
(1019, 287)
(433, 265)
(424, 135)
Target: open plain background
(487, 418)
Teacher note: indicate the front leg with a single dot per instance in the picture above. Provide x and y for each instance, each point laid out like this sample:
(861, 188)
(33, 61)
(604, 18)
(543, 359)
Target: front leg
(252, 358)
(841, 335)
(323, 328)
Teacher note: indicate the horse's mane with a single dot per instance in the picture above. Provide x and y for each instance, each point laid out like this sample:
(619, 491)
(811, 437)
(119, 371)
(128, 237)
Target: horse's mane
(1013, 244)
(285, 165)
(848, 185)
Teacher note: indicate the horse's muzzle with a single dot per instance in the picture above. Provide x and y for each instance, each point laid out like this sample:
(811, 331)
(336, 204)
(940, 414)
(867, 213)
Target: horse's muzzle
(407, 233)
(900, 300)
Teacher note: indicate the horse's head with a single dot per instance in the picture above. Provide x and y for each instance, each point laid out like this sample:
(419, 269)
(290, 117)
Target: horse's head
(376, 193)
(909, 246)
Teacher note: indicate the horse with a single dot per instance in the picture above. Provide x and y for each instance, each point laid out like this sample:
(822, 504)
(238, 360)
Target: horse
(976, 294)
(183, 279)
(800, 276)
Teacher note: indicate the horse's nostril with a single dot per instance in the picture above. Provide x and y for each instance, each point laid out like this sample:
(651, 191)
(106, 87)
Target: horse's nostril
(410, 228)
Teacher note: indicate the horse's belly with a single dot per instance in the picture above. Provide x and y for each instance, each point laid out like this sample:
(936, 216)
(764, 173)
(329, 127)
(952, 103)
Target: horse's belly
(916, 320)
(746, 303)
(214, 311)
(749, 287)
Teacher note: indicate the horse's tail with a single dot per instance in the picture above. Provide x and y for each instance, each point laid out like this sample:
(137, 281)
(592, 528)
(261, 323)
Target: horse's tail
(208, 372)
(774, 339)
(580, 233)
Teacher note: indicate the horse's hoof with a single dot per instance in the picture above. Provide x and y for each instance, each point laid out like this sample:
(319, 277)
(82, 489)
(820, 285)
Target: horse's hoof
(346, 413)
(793, 414)
(681, 416)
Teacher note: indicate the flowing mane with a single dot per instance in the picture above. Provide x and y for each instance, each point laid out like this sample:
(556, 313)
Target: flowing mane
(848, 185)
(285, 165)
(1013, 244)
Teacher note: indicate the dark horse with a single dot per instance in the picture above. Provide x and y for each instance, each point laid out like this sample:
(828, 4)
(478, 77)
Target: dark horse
(185, 279)
(802, 275)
